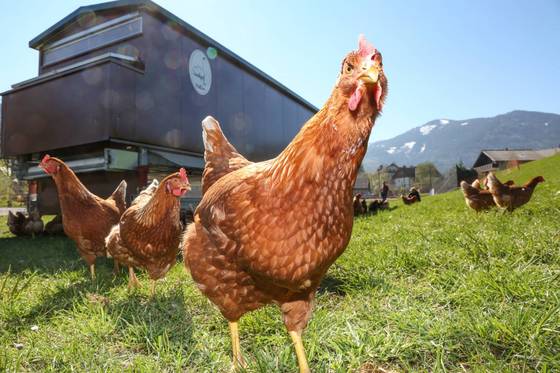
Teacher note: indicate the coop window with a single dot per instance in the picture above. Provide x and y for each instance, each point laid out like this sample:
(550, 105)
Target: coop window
(97, 37)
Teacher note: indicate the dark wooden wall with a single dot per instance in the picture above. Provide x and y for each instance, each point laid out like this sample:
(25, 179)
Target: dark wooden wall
(100, 183)
(158, 107)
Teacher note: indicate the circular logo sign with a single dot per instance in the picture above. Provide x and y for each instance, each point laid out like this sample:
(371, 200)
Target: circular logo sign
(200, 72)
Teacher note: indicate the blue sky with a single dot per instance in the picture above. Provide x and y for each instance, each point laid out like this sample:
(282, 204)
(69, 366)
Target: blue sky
(444, 59)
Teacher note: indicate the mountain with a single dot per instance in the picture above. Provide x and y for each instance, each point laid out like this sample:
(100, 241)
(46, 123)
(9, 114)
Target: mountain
(446, 142)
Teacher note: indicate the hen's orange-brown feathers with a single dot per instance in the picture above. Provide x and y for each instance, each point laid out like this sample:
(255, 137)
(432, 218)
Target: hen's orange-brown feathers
(475, 198)
(118, 197)
(149, 232)
(87, 219)
(512, 197)
(269, 231)
(220, 156)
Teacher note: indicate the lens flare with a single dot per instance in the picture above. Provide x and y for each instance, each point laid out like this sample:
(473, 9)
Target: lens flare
(212, 53)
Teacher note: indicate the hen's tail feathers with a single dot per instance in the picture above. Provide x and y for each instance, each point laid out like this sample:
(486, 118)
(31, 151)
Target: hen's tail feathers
(220, 156)
(119, 196)
(493, 183)
(475, 184)
(469, 190)
(146, 194)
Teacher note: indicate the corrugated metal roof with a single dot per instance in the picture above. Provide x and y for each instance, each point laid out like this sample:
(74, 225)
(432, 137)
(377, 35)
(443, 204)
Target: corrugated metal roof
(519, 155)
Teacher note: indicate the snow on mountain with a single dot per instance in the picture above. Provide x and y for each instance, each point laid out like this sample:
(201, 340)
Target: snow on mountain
(408, 146)
(447, 142)
(427, 129)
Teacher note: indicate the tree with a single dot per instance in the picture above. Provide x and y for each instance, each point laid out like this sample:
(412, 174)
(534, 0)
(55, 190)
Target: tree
(377, 178)
(463, 173)
(426, 175)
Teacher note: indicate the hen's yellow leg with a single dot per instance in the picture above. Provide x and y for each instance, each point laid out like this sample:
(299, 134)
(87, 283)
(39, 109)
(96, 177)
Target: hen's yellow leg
(153, 289)
(300, 351)
(237, 358)
(132, 280)
(92, 271)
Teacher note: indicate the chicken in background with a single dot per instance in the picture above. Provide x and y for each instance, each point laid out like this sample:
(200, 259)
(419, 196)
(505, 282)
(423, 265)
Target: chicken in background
(409, 200)
(55, 226)
(475, 184)
(378, 204)
(511, 197)
(87, 218)
(476, 198)
(16, 223)
(357, 205)
(34, 225)
(413, 197)
(482, 186)
(267, 232)
(149, 232)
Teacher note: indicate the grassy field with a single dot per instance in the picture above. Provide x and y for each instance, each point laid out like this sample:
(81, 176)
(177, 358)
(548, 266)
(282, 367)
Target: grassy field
(430, 287)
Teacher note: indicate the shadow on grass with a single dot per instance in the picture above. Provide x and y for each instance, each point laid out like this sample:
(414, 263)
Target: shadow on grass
(43, 255)
(63, 298)
(40, 254)
(331, 285)
(351, 282)
(154, 324)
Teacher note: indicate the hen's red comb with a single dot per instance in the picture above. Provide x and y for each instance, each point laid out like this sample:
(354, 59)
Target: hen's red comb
(365, 48)
(46, 158)
(183, 174)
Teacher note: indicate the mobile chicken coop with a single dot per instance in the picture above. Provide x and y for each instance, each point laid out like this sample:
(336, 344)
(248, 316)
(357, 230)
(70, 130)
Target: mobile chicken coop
(121, 92)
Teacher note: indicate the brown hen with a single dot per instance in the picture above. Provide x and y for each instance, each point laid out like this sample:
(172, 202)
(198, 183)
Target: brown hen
(475, 198)
(268, 232)
(149, 232)
(16, 223)
(86, 218)
(34, 225)
(511, 197)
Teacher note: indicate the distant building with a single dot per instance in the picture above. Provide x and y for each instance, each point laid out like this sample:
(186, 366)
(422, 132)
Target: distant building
(362, 185)
(493, 160)
(390, 169)
(398, 177)
(404, 177)
(122, 89)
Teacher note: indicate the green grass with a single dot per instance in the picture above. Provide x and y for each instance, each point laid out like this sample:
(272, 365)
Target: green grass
(7, 194)
(428, 287)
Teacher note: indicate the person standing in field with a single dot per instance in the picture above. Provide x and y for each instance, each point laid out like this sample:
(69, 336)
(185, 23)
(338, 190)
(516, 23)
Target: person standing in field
(384, 192)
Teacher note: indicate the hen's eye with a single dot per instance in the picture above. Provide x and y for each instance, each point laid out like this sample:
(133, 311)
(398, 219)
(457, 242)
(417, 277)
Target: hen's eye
(349, 68)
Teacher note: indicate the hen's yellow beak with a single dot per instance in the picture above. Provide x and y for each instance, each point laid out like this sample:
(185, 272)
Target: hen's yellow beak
(371, 75)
